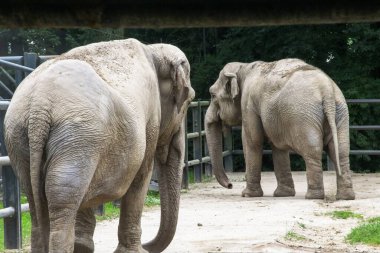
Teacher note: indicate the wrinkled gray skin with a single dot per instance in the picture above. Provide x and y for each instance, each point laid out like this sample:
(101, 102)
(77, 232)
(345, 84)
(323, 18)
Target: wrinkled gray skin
(296, 107)
(86, 127)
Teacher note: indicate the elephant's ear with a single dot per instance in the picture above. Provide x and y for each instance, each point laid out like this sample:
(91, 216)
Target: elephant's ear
(181, 84)
(232, 86)
(178, 75)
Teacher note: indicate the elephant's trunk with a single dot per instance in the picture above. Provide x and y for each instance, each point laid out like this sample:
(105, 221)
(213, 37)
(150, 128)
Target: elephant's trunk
(170, 178)
(213, 126)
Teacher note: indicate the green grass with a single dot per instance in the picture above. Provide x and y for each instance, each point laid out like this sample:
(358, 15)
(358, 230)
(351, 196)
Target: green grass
(367, 233)
(345, 214)
(25, 223)
(110, 212)
(293, 236)
(301, 225)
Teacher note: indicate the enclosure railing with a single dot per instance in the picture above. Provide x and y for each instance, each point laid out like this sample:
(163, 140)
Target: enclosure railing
(196, 165)
(21, 67)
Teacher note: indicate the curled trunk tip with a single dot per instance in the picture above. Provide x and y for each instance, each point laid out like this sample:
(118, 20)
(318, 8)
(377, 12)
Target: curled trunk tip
(223, 180)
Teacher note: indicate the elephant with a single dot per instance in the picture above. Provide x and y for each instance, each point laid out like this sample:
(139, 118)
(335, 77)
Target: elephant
(86, 127)
(296, 107)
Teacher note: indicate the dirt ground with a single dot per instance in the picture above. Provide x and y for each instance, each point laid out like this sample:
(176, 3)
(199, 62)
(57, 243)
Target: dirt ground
(214, 219)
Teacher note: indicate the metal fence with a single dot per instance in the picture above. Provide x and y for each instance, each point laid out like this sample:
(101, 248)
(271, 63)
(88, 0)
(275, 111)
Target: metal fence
(196, 165)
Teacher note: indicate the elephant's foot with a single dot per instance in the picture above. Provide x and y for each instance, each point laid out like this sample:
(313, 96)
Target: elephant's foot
(345, 194)
(284, 191)
(257, 192)
(83, 245)
(315, 194)
(122, 249)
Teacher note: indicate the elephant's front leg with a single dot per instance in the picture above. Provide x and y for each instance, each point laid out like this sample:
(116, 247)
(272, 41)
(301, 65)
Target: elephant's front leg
(84, 231)
(131, 207)
(252, 137)
(281, 162)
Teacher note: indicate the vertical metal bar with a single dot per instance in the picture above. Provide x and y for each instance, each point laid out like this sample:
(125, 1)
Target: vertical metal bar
(185, 176)
(19, 74)
(12, 225)
(207, 166)
(200, 137)
(196, 145)
(100, 209)
(228, 160)
(30, 60)
(330, 164)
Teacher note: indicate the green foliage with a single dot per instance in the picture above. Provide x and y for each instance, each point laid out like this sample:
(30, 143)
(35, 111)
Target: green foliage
(293, 236)
(301, 225)
(345, 215)
(367, 233)
(152, 199)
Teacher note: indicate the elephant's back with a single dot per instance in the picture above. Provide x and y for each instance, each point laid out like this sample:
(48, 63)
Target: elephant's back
(116, 62)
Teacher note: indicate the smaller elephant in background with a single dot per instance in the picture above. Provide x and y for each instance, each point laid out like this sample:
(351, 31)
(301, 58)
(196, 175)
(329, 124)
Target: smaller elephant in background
(297, 107)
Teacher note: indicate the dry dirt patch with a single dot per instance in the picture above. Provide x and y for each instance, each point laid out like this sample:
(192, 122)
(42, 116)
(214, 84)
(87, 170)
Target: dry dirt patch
(214, 219)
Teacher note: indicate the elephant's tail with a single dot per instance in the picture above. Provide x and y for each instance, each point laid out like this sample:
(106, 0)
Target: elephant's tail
(330, 111)
(38, 133)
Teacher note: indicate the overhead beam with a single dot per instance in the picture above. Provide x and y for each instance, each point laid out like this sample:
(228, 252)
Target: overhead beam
(183, 13)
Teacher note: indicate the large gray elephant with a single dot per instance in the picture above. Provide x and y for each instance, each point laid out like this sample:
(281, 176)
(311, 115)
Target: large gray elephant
(297, 107)
(86, 127)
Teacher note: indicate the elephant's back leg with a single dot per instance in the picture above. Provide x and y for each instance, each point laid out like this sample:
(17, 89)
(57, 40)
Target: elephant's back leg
(84, 231)
(344, 182)
(66, 183)
(310, 147)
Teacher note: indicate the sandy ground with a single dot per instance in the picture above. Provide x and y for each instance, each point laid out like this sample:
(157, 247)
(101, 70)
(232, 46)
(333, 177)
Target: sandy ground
(214, 219)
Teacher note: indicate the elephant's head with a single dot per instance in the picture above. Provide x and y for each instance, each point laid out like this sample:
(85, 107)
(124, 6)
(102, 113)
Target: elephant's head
(224, 111)
(176, 93)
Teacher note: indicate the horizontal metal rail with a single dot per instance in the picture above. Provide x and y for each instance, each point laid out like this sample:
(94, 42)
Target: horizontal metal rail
(195, 135)
(14, 59)
(353, 127)
(364, 127)
(363, 101)
(207, 159)
(15, 66)
(202, 103)
(4, 105)
(352, 152)
(4, 161)
(10, 211)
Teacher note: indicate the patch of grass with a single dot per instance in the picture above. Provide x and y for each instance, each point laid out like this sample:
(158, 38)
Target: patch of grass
(367, 233)
(206, 179)
(112, 212)
(293, 236)
(152, 199)
(374, 220)
(301, 225)
(345, 214)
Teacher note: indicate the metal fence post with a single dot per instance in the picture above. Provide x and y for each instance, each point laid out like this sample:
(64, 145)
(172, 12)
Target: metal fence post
(12, 225)
(185, 176)
(30, 60)
(228, 160)
(207, 166)
(197, 146)
(330, 164)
